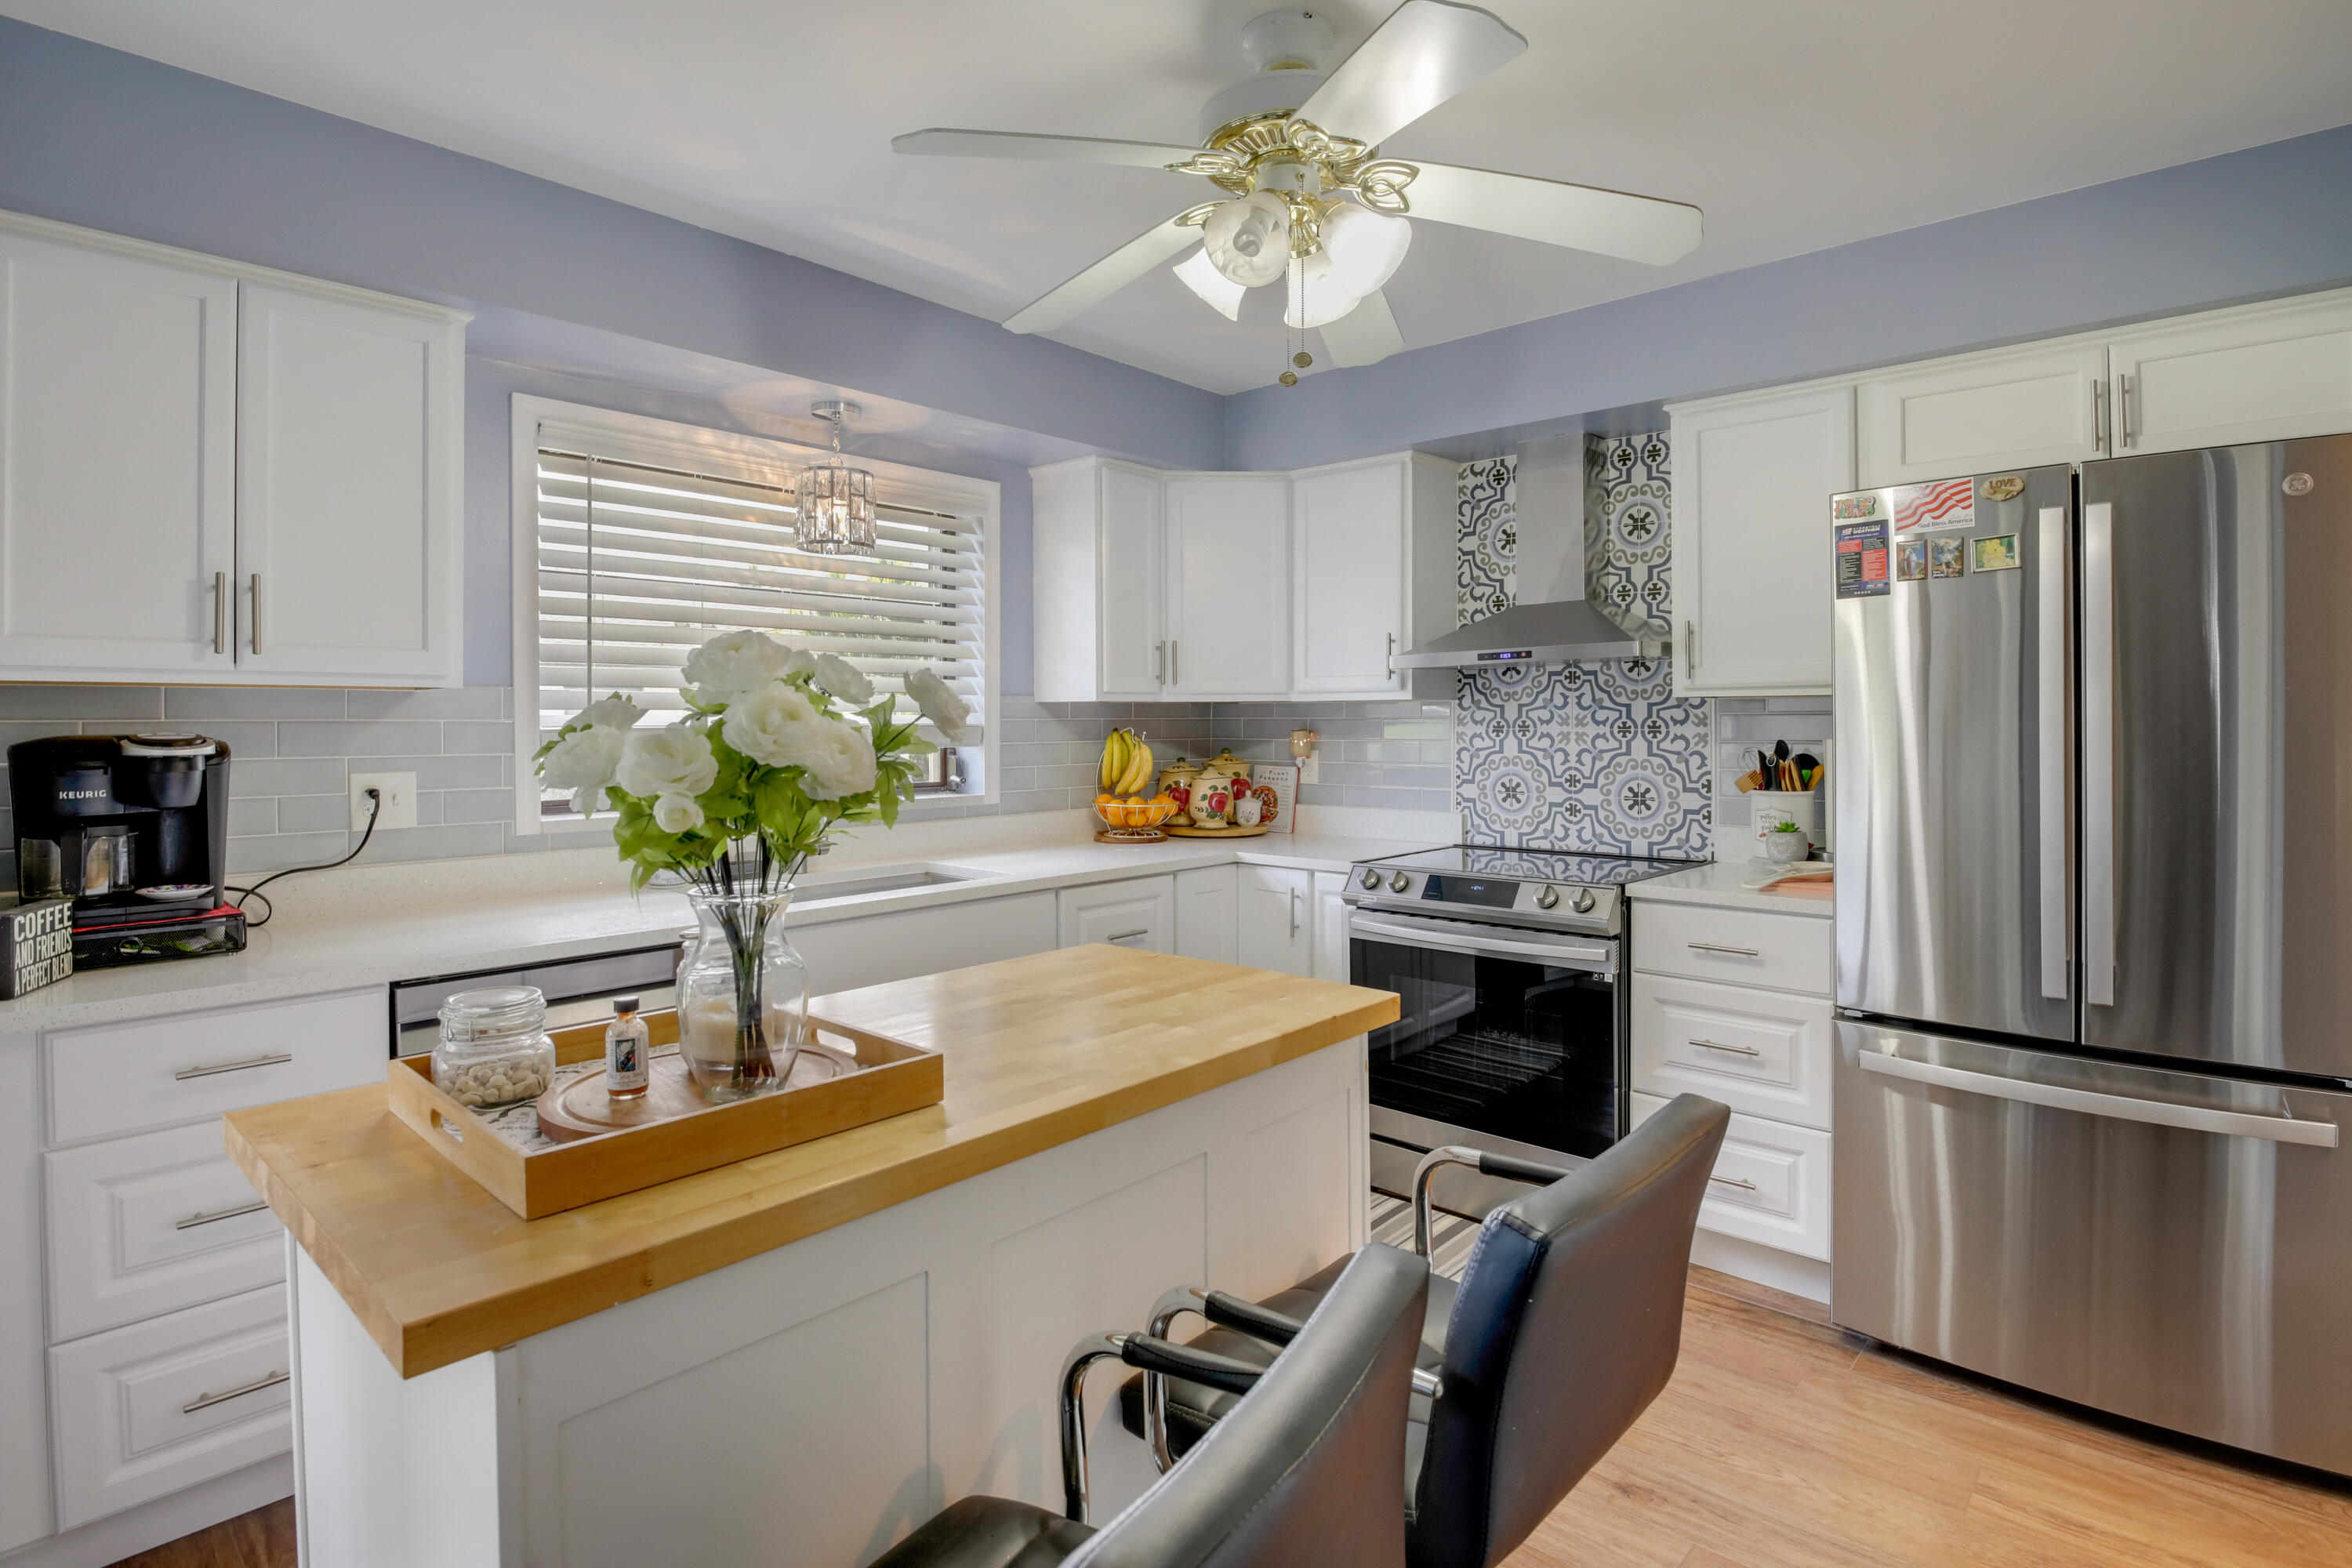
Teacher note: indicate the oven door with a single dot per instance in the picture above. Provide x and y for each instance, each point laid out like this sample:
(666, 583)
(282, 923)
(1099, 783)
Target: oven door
(1506, 1035)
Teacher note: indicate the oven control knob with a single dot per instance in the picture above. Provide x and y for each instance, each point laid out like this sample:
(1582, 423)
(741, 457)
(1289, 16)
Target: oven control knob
(1582, 903)
(1547, 897)
(1372, 881)
(1400, 882)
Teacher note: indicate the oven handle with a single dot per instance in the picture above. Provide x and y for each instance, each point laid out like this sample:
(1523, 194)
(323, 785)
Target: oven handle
(1598, 958)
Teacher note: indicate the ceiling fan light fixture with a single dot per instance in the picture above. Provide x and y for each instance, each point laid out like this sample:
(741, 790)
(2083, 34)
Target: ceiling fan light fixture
(1366, 247)
(1221, 293)
(1248, 239)
(1317, 295)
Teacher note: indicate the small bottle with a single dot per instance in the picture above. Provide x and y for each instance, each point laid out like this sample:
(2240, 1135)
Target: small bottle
(628, 1050)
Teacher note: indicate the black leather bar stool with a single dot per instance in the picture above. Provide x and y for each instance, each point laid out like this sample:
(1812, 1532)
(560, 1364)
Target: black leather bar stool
(1566, 1324)
(1281, 1481)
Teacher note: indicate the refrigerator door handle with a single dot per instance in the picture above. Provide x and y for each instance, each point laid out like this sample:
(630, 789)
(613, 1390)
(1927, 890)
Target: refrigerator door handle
(2099, 754)
(2052, 658)
(2092, 1103)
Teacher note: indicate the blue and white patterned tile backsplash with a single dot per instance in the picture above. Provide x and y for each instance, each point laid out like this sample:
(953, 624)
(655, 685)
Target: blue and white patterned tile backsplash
(1599, 756)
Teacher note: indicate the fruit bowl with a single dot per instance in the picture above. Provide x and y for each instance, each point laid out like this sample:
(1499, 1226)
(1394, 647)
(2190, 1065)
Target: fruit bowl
(1134, 813)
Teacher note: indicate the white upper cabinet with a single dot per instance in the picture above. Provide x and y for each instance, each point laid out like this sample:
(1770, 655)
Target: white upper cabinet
(2277, 372)
(180, 437)
(348, 505)
(118, 450)
(2015, 408)
(1228, 585)
(1750, 539)
(1372, 572)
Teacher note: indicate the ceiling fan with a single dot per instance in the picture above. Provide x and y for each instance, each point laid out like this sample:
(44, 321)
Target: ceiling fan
(1308, 202)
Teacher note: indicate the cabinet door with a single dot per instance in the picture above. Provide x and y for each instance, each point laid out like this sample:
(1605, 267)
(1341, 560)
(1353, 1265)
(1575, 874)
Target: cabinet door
(1277, 919)
(118, 463)
(2272, 373)
(1330, 927)
(348, 489)
(2015, 409)
(1228, 585)
(1139, 914)
(1751, 541)
(1348, 587)
(1206, 910)
(1129, 537)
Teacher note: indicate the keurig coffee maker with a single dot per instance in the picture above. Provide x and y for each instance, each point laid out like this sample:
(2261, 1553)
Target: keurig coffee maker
(134, 829)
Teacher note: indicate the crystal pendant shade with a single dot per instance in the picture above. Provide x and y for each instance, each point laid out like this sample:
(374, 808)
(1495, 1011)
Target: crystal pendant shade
(836, 501)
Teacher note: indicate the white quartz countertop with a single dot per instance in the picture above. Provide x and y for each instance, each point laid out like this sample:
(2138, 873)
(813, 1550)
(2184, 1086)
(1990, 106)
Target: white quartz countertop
(443, 931)
(1721, 883)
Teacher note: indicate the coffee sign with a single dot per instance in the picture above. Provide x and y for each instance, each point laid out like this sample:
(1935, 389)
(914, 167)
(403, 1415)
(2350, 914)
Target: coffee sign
(38, 942)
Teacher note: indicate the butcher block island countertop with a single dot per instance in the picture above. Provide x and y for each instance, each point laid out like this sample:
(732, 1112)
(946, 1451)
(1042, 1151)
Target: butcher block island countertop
(1038, 1051)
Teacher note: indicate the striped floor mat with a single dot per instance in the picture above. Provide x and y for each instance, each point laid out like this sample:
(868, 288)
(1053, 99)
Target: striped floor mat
(1450, 1238)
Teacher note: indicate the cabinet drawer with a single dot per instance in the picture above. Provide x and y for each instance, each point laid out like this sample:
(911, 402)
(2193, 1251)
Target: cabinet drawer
(1745, 947)
(149, 1225)
(1764, 1052)
(161, 1406)
(125, 1077)
(1138, 913)
(1770, 1184)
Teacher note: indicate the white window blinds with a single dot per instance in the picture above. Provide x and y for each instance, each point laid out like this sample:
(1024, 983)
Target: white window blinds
(639, 562)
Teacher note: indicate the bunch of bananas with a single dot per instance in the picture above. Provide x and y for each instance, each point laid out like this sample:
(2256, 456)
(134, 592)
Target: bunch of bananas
(1127, 767)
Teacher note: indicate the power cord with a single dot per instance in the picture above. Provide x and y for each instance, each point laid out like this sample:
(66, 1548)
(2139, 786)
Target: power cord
(375, 809)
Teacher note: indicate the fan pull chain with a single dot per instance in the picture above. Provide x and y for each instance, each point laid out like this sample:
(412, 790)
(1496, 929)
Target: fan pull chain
(1296, 335)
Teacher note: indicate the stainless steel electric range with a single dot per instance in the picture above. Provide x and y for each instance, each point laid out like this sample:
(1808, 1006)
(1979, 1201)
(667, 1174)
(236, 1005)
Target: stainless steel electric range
(1510, 966)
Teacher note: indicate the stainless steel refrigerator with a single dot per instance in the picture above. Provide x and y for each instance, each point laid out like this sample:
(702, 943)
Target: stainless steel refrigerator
(2094, 934)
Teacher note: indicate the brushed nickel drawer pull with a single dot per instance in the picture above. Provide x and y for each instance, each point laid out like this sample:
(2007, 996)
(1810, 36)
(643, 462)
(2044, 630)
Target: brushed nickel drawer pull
(1738, 1050)
(207, 1401)
(1130, 935)
(1733, 1182)
(277, 1059)
(194, 1220)
(1717, 947)
(220, 612)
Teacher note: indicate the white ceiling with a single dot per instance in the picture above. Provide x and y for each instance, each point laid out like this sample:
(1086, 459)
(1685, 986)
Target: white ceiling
(1797, 125)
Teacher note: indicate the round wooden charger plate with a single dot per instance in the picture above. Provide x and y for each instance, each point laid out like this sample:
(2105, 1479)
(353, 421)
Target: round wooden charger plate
(581, 1109)
(1218, 832)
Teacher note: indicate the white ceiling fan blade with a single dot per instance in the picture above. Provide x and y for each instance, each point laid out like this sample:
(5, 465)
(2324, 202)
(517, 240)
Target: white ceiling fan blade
(1105, 278)
(1426, 51)
(1365, 335)
(950, 144)
(1582, 218)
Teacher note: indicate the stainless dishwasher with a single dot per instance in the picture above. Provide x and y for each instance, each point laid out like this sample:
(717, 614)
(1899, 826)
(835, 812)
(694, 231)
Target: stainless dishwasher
(578, 991)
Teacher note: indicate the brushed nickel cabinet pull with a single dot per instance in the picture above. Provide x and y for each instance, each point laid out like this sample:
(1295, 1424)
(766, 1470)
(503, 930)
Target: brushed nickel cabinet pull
(220, 612)
(1736, 1050)
(194, 1220)
(2123, 383)
(1159, 663)
(2098, 416)
(1717, 947)
(1175, 669)
(207, 1401)
(1130, 935)
(257, 612)
(1690, 646)
(1733, 1182)
(1294, 911)
(274, 1059)
(1393, 656)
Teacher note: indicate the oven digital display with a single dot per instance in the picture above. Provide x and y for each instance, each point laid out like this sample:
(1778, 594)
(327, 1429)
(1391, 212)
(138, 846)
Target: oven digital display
(1472, 890)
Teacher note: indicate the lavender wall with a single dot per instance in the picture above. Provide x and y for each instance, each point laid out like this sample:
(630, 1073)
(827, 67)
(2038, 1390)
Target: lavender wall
(2273, 219)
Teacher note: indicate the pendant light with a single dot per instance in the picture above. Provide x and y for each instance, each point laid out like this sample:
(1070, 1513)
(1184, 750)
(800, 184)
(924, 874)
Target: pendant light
(836, 501)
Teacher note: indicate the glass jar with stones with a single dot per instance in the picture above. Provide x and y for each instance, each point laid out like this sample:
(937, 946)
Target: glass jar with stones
(494, 1048)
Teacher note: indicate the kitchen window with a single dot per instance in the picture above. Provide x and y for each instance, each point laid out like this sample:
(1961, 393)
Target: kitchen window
(638, 539)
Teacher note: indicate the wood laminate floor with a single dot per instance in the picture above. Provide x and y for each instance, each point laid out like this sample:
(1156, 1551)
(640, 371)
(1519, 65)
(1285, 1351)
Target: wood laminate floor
(1783, 1443)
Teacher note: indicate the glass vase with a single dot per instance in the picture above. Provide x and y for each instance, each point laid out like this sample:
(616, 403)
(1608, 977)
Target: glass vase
(742, 997)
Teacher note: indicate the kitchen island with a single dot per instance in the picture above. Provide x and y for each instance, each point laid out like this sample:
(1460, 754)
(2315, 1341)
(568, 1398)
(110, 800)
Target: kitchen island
(797, 1358)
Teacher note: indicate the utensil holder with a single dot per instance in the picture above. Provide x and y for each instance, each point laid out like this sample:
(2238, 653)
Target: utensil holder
(1767, 809)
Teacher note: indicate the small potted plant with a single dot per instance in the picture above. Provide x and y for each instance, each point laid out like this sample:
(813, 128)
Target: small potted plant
(1786, 844)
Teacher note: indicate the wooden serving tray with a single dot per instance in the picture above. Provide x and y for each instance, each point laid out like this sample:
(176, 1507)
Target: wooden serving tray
(1218, 832)
(893, 1077)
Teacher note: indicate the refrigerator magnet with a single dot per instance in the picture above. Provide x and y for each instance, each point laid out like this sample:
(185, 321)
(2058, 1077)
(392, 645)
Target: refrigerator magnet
(1946, 557)
(1996, 552)
(1862, 559)
(1910, 560)
(2007, 487)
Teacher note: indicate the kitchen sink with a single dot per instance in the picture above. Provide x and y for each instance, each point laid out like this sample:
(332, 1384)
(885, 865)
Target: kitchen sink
(825, 888)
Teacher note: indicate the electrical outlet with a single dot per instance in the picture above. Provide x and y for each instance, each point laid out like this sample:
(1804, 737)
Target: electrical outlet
(396, 804)
(1306, 769)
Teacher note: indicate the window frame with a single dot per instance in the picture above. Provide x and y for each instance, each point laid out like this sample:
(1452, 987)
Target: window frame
(644, 438)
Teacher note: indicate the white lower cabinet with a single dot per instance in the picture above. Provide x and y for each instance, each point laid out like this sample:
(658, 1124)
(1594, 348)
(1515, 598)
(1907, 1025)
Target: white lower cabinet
(1207, 911)
(1278, 925)
(1331, 927)
(1139, 912)
(1764, 1052)
(148, 1225)
(1770, 1183)
(143, 1411)
(873, 950)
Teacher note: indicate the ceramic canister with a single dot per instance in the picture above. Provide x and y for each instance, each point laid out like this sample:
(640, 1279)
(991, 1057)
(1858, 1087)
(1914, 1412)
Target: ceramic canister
(1213, 798)
(1176, 782)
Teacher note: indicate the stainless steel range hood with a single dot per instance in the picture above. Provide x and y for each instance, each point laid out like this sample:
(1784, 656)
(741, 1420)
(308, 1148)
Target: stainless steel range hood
(1552, 623)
